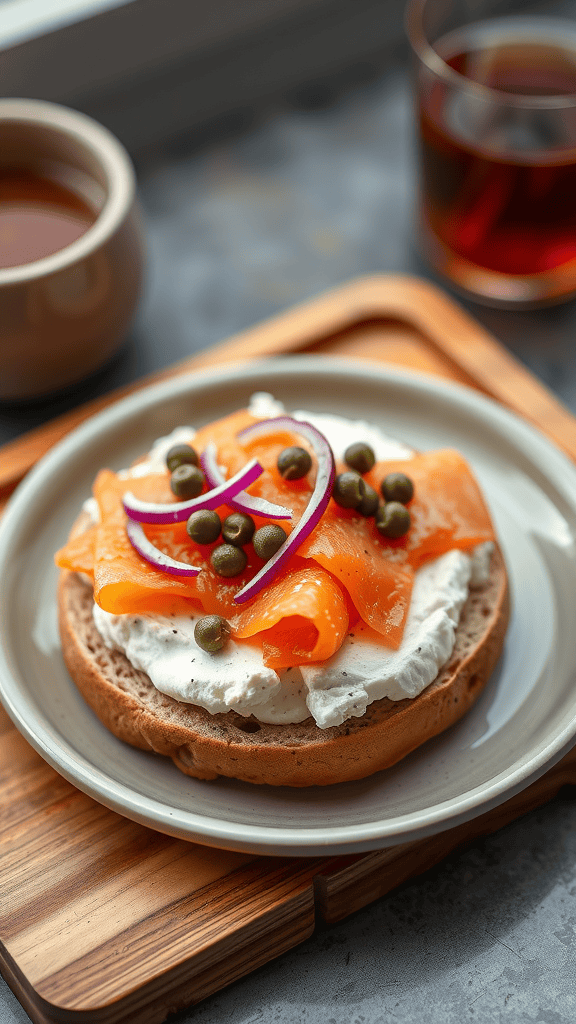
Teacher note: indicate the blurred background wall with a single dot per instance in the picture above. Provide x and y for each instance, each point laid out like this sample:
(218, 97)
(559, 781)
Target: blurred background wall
(151, 69)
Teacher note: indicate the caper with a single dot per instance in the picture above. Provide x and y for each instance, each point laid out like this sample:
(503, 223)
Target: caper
(228, 560)
(359, 456)
(397, 487)
(369, 504)
(393, 519)
(268, 539)
(211, 633)
(238, 528)
(187, 481)
(293, 463)
(204, 526)
(181, 454)
(349, 489)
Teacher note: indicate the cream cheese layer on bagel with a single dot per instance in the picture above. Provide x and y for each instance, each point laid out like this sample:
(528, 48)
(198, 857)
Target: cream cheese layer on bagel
(362, 671)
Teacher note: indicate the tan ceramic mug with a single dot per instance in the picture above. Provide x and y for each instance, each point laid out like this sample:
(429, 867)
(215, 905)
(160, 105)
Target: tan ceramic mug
(64, 314)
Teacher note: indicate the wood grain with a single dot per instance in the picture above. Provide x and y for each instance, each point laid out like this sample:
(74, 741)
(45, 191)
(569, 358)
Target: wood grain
(103, 920)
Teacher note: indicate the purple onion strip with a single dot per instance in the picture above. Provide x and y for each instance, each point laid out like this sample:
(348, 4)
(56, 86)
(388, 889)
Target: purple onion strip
(177, 512)
(252, 504)
(315, 508)
(157, 558)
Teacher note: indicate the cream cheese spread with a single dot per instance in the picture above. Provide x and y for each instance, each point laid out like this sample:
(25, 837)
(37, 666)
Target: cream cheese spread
(362, 671)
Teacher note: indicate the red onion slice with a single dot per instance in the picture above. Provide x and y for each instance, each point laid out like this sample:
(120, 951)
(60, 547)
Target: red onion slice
(242, 502)
(315, 508)
(177, 512)
(157, 558)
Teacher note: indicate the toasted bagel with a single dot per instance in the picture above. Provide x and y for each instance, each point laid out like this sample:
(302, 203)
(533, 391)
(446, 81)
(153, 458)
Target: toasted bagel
(207, 745)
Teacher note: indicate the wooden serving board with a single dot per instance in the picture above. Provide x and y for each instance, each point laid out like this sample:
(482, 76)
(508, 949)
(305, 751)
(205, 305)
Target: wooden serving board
(103, 920)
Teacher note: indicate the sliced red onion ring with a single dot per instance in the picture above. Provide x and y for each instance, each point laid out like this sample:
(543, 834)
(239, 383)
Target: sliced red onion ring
(242, 502)
(177, 512)
(315, 508)
(157, 558)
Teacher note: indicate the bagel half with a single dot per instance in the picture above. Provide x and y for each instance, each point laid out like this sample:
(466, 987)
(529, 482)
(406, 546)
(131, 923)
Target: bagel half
(207, 745)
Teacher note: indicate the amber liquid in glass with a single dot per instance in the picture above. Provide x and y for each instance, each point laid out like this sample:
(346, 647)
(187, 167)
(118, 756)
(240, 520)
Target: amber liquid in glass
(500, 191)
(38, 216)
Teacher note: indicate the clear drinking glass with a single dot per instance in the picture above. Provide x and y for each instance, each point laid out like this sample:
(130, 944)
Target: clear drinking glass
(495, 88)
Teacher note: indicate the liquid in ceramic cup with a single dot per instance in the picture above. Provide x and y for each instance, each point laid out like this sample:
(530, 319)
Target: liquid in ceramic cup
(496, 95)
(71, 247)
(38, 216)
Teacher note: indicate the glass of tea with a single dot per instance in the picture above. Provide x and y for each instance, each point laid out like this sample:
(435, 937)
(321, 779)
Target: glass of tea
(495, 86)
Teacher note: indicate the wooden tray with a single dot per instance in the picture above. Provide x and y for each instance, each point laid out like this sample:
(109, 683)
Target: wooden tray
(103, 920)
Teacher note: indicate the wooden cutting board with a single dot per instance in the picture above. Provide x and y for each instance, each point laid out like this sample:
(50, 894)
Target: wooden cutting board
(103, 920)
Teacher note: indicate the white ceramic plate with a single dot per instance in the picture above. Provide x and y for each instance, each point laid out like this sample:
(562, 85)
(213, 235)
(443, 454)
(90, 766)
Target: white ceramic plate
(524, 721)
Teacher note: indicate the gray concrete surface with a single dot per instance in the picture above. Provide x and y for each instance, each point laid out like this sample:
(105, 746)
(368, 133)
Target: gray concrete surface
(302, 200)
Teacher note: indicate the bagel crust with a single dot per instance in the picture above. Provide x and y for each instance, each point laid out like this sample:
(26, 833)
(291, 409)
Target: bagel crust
(206, 745)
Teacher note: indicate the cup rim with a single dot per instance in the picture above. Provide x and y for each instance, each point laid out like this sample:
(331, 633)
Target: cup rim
(115, 163)
(425, 52)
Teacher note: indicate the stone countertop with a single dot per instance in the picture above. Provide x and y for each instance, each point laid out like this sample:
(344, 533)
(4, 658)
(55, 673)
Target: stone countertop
(302, 200)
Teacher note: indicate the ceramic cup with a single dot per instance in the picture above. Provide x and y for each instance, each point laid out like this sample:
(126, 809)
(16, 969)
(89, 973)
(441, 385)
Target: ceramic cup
(64, 315)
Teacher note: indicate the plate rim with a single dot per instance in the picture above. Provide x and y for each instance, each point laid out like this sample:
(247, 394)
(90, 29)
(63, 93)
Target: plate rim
(275, 839)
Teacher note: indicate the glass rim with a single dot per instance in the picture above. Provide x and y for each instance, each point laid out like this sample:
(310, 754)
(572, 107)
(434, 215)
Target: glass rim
(425, 52)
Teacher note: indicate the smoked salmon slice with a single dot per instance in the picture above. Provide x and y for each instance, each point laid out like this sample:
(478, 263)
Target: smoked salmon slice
(300, 617)
(447, 510)
(347, 546)
(78, 554)
(123, 581)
